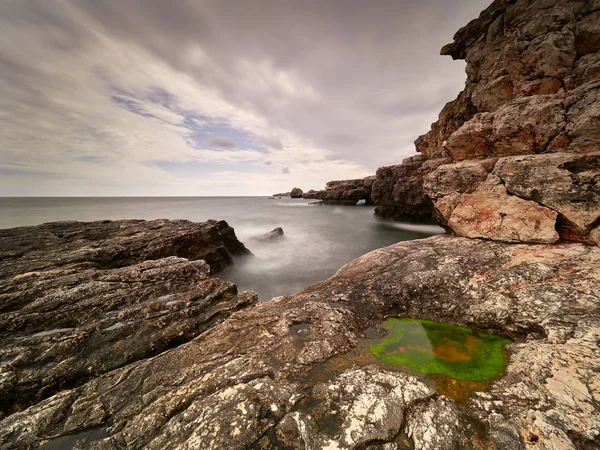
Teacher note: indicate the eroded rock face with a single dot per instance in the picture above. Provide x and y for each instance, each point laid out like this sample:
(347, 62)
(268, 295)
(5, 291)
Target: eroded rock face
(528, 198)
(346, 192)
(250, 381)
(296, 193)
(81, 299)
(533, 88)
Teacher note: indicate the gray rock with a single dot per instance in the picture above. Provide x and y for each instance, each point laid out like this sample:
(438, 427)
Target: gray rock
(252, 380)
(79, 300)
(272, 236)
(296, 193)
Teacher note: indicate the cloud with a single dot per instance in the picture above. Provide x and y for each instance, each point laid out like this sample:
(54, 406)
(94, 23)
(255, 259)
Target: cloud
(93, 93)
(221, 142)
(285, 170)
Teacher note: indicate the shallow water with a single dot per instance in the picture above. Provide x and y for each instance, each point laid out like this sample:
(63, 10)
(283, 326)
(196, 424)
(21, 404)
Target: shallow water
(439, 348)
(420, 343)
(318, 239)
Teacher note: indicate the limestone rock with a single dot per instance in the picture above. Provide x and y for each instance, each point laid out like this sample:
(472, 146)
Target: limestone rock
(567, 183)
(81, 299)
(502, 217)
(251, 381)
(347, 192)
(398, 190)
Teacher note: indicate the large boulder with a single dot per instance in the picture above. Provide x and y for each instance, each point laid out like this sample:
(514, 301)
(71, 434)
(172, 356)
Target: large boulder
(519, 198)
(278, 375)
(296, 193)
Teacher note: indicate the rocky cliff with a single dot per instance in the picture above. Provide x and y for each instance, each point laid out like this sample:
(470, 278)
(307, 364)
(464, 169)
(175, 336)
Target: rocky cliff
(516, 156)
(115, 336)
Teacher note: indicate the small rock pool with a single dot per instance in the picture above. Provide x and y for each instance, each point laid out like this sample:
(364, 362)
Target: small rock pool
(455, 360)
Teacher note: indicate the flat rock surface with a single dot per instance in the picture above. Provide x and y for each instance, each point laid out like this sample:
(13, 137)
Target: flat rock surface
(255, 380)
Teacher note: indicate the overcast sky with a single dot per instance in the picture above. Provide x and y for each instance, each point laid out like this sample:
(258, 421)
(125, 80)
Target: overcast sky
(217, 97)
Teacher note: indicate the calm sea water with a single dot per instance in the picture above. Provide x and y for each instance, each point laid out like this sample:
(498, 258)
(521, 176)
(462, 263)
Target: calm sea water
(318, 239)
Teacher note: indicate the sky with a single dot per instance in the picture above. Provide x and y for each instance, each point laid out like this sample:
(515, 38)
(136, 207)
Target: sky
(217, 97)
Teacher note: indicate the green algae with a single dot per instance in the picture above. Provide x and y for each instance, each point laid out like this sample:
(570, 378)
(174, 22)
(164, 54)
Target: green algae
(436, 348)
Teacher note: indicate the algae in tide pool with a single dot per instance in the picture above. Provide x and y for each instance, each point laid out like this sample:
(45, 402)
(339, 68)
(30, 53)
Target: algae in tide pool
(441, 348)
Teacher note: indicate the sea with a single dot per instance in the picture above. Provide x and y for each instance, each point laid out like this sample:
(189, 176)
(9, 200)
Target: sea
(318, 239)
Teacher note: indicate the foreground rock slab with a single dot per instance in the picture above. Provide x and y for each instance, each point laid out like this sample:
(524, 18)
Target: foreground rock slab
(254, 380)
(81, 299)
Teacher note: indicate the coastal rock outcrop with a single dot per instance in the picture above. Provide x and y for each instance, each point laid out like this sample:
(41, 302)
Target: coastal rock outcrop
(311, 194)
(296, 193)
(81, 299)
(273, 235)
(533, 88)
(347, 192)
(251, 381)
(398, 190)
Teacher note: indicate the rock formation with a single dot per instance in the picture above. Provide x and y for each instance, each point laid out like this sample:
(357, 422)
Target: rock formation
(346, 192)
(252, 380)
(398, 190)
(283, 194)
(296, 193)
(81, 299)
(311, 194)
(272, 236)
(115, 336)
(533, 88)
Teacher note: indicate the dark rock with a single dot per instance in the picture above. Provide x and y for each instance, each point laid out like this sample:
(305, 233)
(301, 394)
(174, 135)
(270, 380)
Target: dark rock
(296, 193)
(269, 237)
(251, 381)
(398, 190)
(81, 299)
(283, 194)
(310, 194)
(347, 192)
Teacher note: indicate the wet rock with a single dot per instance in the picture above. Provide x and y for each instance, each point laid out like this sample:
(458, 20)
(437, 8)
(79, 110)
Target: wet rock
(254, 381)
(272, 236)
(296, 193)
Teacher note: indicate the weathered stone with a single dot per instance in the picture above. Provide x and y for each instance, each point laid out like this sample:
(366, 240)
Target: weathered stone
(248, 382)
(398, 190)
(567, 183)
(272, 236)
(80, 299)
(347, 192)
(503, 218)
(296, 193)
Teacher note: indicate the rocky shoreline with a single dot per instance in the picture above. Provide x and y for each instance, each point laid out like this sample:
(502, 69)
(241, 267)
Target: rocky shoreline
(251, 378)
(118, 335)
